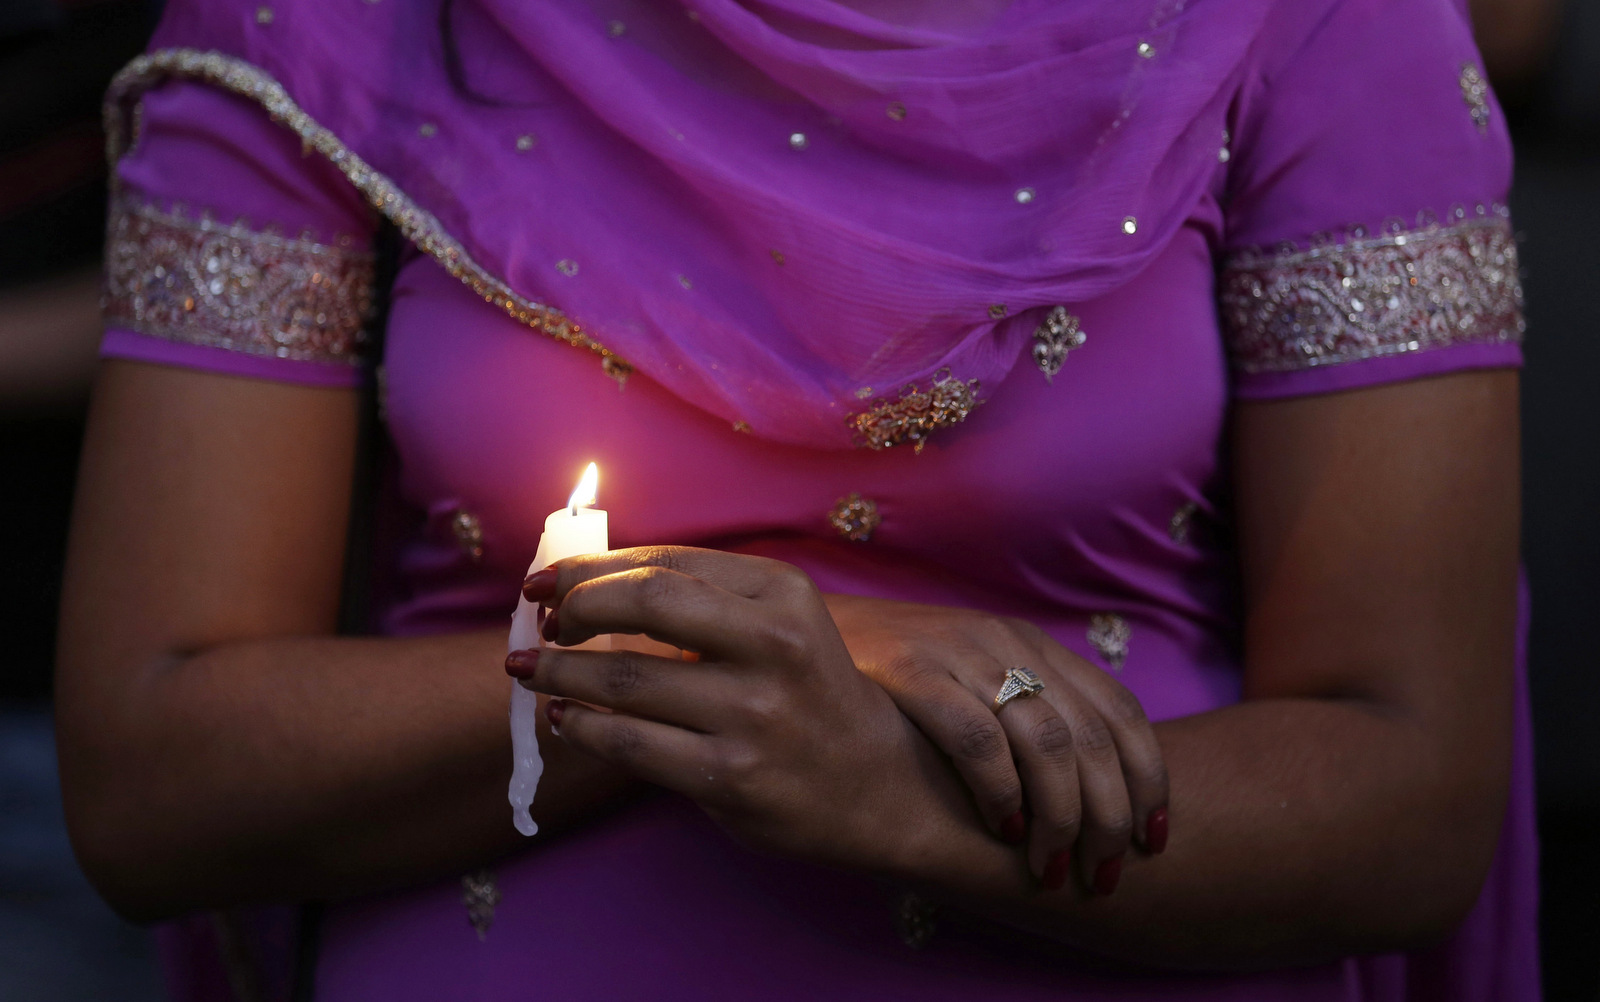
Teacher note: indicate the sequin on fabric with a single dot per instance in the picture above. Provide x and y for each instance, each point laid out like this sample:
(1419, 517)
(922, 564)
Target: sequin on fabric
(1178, 525)
(1475, 92)
(1052, 340)
(223, 285)
(914, 920)
(855, 517)
(1406, 291)
(480, 894)
(1109, 634)
(468, 530)
(917, 413)
(417, 224)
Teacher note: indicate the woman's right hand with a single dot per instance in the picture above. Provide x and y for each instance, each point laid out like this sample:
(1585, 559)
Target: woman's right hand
(1081, 756)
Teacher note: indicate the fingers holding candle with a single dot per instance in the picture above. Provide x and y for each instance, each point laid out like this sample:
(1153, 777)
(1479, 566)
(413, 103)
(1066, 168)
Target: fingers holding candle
(665, 605)
(657, 753)
(767, 732)
(743, 575)
(664, 689)
(540, 585)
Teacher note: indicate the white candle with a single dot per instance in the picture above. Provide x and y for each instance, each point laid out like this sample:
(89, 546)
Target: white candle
(570, 532)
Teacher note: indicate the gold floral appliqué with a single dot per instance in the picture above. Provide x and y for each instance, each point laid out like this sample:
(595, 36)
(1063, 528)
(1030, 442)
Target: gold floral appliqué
(916, 413)
(221, 285)
(1406, 291)
(855, 517)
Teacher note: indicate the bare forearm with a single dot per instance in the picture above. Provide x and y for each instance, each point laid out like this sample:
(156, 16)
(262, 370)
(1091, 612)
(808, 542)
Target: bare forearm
(303, 768)
(1302, 830)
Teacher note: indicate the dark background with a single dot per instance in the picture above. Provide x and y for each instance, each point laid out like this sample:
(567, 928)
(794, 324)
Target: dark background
(57, 941)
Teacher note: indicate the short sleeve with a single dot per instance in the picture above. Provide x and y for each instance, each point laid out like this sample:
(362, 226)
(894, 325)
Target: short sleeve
(230, 250)
(1366, 238)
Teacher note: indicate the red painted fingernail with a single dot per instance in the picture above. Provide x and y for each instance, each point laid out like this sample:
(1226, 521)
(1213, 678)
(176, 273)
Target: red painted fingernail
(1056, 870)
(1108, 875)
(522, 664)
(553, 712)
(540, 585)
(1014, 829)
(1155, 830)
(550, 630)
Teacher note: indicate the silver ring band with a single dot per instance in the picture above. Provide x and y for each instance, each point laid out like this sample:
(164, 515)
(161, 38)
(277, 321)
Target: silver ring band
(1020, 683)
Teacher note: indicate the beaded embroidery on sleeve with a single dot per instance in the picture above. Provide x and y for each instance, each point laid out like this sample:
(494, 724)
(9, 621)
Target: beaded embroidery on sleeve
(1405, 291)
(223, 285)
(415, 223)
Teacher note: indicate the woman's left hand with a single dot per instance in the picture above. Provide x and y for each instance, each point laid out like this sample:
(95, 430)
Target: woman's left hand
(1081, 759)
(772, 730)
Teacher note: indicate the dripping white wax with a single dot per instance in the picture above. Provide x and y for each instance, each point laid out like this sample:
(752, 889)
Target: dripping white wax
(570, 532)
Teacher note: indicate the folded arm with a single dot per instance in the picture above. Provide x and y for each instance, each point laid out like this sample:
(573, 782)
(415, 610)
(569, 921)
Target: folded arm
(1353, 801)
(1350, 803)
(218, 744)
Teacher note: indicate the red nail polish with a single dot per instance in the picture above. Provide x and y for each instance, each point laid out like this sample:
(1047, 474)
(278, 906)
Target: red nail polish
(522, 664)
(1108, 875)
(550, 630)
(540, 585)
(553, 712)
(1014, 829)
(1155, 830)
(1056, 870)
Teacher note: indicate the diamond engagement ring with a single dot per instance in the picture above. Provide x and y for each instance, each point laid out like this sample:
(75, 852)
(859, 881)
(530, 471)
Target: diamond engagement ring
(1020, 683)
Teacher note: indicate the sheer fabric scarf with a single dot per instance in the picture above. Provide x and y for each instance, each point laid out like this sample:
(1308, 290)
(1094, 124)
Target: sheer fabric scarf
(777, 209)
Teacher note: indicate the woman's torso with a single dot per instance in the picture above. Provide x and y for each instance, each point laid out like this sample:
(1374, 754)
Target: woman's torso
(1087, 503)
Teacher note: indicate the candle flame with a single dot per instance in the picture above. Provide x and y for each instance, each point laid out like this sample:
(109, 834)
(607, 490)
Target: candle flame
(584, 495)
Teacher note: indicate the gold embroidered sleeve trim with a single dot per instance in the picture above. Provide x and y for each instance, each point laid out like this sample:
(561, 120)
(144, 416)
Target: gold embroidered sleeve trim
(227, 286)
(417, 224)
(1406, 291)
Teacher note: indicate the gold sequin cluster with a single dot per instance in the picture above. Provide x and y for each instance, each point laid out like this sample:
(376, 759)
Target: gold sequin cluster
(225, 285)
(916, 413)
(855, 517)
(417, 224)
(1406, 291)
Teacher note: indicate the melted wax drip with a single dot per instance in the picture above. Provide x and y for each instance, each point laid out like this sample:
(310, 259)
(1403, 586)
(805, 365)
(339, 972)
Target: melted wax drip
(526, 765)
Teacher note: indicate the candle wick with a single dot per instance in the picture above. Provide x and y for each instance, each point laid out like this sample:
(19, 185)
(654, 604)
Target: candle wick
(574, 511)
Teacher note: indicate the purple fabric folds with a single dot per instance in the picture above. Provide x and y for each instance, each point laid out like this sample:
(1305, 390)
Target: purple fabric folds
(1001, 159)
